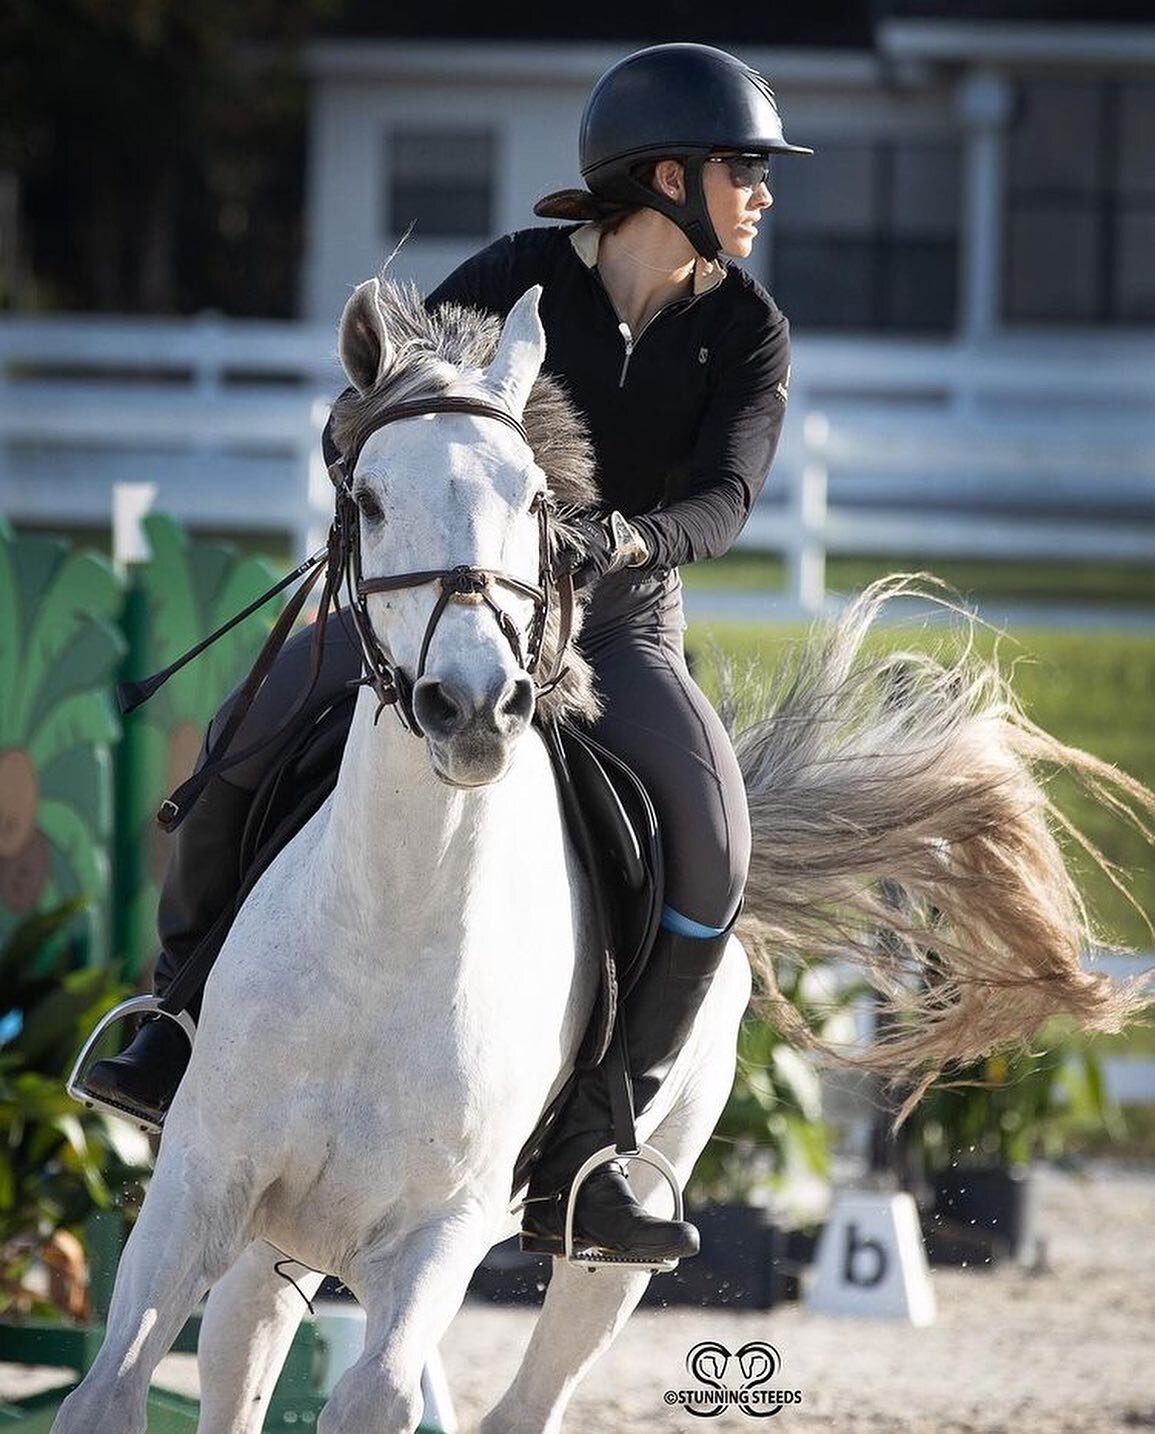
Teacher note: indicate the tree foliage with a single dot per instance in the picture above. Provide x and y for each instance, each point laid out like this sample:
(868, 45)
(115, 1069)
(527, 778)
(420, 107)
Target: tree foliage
(158, 147)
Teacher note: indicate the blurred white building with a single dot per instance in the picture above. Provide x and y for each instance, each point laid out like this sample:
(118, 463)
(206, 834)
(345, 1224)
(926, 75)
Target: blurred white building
(968, 264)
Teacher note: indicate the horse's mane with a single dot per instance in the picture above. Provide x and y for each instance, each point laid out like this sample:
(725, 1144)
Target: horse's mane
(439, 350)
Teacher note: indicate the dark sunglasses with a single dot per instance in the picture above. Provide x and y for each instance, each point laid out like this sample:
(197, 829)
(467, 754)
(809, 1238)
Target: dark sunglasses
(747, 171)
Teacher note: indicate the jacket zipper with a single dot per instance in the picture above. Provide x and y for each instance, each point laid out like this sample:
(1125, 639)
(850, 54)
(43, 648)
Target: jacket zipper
(624, 330)
(631, 342)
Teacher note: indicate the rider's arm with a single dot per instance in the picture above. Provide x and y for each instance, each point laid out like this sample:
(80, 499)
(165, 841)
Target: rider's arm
(734, 448)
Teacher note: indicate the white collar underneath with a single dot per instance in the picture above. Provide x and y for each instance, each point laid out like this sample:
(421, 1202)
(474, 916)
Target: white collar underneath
(708, 273)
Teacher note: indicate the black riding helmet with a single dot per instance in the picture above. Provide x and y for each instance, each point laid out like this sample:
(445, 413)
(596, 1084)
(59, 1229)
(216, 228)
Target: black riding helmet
(681, 102)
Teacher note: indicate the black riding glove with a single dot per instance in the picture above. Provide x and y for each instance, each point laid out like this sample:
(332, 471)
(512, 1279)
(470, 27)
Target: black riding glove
(603, 545)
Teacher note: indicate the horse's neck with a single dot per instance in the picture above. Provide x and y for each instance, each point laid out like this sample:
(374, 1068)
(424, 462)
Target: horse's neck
(399, 838)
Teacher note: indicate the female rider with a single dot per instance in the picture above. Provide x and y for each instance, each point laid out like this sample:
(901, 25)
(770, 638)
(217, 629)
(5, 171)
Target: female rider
(680, 363)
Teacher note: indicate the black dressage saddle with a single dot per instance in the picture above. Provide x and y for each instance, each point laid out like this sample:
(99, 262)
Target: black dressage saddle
(611, 822)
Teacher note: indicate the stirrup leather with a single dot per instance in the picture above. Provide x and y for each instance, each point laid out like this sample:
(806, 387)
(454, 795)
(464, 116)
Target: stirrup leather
(591, 1259)
(135, 1005)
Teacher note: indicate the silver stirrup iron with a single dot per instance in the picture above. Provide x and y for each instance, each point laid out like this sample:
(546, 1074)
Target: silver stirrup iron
(648, 1155)
(134, 1006)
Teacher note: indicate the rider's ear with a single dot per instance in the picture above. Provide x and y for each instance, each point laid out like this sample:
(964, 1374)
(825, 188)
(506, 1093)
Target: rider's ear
(520, 353)
(669, 179)
(362, 342)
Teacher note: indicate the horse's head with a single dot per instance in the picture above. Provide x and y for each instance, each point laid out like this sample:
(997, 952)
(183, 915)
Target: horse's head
(442, 491)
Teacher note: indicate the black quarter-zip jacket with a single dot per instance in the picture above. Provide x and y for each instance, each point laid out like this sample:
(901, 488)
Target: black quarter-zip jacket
(684, 418)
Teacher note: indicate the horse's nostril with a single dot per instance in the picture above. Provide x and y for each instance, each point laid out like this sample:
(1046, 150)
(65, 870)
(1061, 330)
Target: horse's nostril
(517, 704)
(435, 709)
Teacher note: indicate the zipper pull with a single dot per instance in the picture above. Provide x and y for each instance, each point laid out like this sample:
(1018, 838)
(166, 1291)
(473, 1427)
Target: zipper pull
(628, 339)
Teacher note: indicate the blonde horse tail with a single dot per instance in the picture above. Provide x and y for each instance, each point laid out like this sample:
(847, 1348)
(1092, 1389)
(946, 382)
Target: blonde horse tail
(900, 822)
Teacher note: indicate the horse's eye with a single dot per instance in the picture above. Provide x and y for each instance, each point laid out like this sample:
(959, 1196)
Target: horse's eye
(366, 501)
(538, 502)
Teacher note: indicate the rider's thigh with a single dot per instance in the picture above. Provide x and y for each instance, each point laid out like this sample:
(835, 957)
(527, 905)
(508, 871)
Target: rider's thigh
(658, 720)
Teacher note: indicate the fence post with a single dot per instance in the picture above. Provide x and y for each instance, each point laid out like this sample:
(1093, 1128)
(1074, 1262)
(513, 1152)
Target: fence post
(807, 552)
(130, 504)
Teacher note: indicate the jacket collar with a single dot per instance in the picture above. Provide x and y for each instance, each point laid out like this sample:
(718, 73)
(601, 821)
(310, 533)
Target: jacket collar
(708, 273)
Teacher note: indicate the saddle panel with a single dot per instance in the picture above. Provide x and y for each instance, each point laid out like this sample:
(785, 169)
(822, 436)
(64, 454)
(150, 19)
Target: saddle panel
(613, 801)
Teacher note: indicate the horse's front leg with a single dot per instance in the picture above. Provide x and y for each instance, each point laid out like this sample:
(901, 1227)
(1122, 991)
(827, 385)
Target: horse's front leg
(248, 1326)
(410, 1288)
(189, 1231)
(584, 1311)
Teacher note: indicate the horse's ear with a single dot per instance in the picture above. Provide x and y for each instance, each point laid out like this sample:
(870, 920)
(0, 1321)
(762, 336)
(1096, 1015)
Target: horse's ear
(362, 342)
(520, 353)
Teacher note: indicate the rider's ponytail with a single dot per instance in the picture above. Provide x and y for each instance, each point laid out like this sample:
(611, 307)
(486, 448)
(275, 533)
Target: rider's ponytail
(581, 204)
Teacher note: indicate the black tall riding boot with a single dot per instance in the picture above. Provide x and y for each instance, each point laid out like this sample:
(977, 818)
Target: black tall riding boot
(203, 878)
(658, 1015)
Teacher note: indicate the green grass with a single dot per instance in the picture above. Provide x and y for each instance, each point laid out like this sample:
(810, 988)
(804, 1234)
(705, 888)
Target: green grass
(1095, 690)
(1066, 582)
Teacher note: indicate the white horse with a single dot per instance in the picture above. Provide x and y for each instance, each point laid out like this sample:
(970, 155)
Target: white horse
(408, 983)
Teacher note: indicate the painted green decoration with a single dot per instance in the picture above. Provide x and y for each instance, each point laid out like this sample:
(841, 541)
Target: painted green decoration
(59, 654)
(185, 591)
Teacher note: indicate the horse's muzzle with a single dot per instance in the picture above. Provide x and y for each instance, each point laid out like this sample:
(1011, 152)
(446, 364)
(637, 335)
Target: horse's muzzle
(471, 736)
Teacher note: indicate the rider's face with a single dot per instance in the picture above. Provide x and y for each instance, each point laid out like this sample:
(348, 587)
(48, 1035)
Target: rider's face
(735, 209)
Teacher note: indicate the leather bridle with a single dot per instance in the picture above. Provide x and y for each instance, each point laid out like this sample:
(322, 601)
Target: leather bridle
(462, 583)
(340, 562)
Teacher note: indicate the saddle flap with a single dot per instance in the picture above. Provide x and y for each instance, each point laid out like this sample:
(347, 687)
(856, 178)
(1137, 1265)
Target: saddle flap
(602, 803)
(619, 815)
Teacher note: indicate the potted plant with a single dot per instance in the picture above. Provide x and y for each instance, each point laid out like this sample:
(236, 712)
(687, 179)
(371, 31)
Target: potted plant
(978, 1132)
(58, 1163)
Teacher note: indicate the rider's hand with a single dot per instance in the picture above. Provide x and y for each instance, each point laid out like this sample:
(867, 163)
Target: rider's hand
(602, 545)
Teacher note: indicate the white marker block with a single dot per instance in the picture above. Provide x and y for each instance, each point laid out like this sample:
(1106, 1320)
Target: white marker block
(131, 504)
(871, 1260)
(341, 1324)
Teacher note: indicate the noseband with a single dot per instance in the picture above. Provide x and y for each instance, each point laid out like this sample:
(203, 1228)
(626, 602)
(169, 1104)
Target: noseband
(465, 584)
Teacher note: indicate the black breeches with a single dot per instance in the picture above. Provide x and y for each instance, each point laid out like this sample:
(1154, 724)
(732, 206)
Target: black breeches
(657, 719)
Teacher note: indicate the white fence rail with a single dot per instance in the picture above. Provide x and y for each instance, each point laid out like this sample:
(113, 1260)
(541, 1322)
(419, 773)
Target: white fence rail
(1020, 447)
(223, 417)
